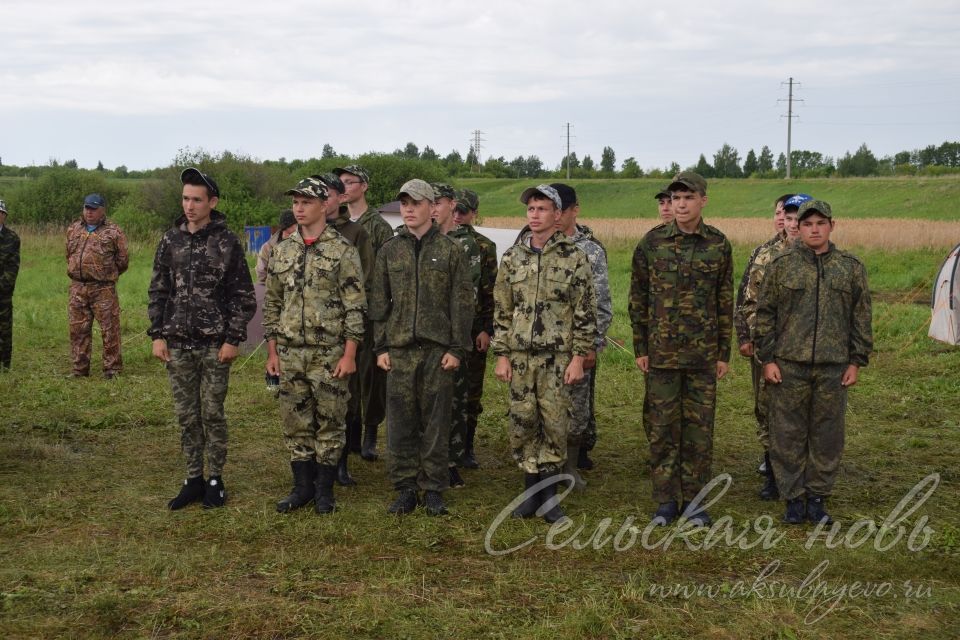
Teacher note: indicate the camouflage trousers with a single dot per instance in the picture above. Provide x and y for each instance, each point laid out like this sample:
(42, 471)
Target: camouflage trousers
(199, 385)
(373, 382)
(539, 410)
(589, 438)
(807, 417)
(419, 397)
(6, 331)
(458, 414)
(678, 412)
(89, 300)
(761, 402)
(581, 412)
(312, 403)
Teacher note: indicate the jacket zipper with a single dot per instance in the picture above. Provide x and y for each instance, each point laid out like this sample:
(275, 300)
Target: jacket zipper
(816, 313)
(416, 288)
(303, 297)
(190, 270)
(82, 249)
(536, 298)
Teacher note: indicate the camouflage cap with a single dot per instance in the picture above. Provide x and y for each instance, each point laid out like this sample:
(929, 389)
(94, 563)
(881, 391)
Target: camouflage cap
(310, 187)
(663, 193)
(286, 219)
(332, 181)
(192, 175)
(544, 190)
(796, 201)
(468, 200)
(418, 190)
(811, 207)
(3, 206)
(690, 181)
(354, 169)
(443, 190)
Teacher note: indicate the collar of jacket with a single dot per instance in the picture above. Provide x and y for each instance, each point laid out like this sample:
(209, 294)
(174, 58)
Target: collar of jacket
(673, 229)
(327, 233)
(810, 256)
(216, 218)
(102, 223)
(432, 231)
(558, 238)
(343, 214)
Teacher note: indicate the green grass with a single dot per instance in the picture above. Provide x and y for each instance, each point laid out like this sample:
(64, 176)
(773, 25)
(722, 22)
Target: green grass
(914, 198)
(89, 549)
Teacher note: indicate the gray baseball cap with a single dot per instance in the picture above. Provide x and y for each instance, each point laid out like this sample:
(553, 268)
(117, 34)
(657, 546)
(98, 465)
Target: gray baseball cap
(418, 190)
(544, 190)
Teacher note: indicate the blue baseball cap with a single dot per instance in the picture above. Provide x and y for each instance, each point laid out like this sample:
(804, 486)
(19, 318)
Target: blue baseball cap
(94, 201)
(796, 201)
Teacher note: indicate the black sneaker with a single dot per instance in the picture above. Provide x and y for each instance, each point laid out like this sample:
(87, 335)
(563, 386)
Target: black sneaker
(406, 502)
(433, 504)
(191, 491)
(794, 512)
(816, 512)
(215, 495)
(456, 481)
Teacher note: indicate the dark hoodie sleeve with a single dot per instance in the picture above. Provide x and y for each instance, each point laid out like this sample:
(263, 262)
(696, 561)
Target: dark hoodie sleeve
(240, 298)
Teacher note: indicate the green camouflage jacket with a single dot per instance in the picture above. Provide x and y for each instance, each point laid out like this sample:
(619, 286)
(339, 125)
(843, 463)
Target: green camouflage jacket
(9, 261)
(814, 309)
(421, 293)
(544, 301)
(471, 254)
(314, 295)
(681, 297)
(744, 316)
(597, 256)
(377, 228)
(356, 234)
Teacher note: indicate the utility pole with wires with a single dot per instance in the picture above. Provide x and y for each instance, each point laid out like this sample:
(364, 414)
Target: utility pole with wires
(475, 144)
(789, 117)
(568, 151)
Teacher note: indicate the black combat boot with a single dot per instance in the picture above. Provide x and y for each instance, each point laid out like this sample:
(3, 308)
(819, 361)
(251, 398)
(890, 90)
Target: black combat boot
(191, 491)
(570, 468)
(354, 433)
(406, 502)
(456, 482)
(469, 459)
(816, 510)
(666, 514)
(433, 504)
(528, 508)
(323, 501)
(344, 479)
(769, 490)
(215, 494)
(549, 503)
(304, 473)
(583, 460)
(368, 451)
(696, 515)
(794, 512)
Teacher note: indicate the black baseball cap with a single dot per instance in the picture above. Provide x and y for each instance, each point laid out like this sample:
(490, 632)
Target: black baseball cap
(192, 175)
(568, 195)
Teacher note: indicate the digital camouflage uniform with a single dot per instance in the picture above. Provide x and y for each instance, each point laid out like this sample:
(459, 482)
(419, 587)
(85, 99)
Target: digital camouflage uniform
(421, 304)
(583, 428)
(545, 313)
(744, 322)
(314, 303)
(373, 380)
(473, 259)
(813, 320)
(681, 309)
(95, 260)
(9, 267)
(201, 296)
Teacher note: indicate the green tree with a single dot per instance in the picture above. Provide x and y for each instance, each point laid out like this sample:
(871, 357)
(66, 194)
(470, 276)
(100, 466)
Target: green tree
(765, 161)
(453, 159)
(587, 164)
(703, 167)
(572, 159)
(100, 166)
(327, 152)
(726, 163)
(608, 160)
(534, 167)
(472, 159)
(70, 164)
(411, 151)
(782, 164)
(750, 164)
(429, 155)
(861, 163)
(631, 169)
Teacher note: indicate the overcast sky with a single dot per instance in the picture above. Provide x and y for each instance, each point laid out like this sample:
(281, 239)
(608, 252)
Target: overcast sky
(127, 82)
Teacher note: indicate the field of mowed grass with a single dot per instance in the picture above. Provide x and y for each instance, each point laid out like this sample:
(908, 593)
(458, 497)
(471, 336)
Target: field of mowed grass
(908, 197)
(90, 551)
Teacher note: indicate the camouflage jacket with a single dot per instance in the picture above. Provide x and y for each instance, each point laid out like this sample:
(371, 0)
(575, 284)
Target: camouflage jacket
(471, 255)
(377, 228)
(483, 316)
(597, 256)
(421, 293)
(356, 235)
(814, 309)
(96, 256)
(263, 256)
(744, 316)
(9, 261)
(681, 297)
(544, 301)
(314, 293)
(201, 292)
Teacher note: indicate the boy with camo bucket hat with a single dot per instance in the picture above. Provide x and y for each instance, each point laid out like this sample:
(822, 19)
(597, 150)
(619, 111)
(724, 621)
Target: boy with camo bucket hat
(313, 323)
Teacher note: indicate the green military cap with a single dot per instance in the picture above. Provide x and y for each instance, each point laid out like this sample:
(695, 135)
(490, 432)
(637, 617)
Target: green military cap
(690, 181)
(443, 190)
(355, 170)
(811, 207)
(468, 200)
(332, 181)
(286, 219)
(310, 187)
(418, 190)
(663, 193)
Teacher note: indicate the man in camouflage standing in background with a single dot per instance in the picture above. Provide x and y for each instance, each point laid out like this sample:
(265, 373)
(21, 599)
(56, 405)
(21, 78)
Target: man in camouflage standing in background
(372, 379)
(96, 256)
(468, 203)
(681, 309)
(9, 267)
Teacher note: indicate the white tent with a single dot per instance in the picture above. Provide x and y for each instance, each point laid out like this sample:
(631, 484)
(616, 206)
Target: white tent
(945, 302)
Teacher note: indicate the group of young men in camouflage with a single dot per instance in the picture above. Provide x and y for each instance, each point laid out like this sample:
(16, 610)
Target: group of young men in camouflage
(364, 323)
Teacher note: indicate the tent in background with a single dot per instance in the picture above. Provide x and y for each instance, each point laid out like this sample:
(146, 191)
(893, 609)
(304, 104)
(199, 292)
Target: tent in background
(945, 301)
